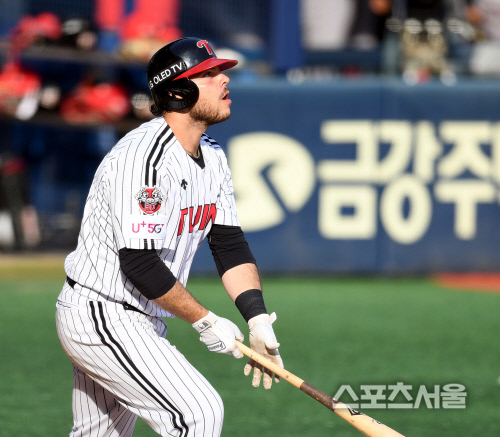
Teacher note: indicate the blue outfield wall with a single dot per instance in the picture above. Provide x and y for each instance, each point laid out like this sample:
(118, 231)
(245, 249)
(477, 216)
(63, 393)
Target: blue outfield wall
(365, 176)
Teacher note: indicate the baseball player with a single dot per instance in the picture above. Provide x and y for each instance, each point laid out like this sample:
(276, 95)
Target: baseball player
(158, 193)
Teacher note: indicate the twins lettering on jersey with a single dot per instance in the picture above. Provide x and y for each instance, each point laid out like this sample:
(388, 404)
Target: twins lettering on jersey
(204, 215)
(150, 199)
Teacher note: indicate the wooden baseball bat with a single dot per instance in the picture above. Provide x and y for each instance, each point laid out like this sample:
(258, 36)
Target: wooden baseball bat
(368, 426)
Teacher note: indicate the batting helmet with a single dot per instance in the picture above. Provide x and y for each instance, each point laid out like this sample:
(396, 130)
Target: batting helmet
(169, 70)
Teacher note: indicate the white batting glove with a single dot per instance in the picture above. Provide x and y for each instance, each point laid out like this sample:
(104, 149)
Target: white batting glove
(263, 341)
(219, 334)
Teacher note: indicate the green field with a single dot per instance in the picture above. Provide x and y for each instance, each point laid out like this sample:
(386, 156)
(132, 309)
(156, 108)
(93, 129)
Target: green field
(333, 332)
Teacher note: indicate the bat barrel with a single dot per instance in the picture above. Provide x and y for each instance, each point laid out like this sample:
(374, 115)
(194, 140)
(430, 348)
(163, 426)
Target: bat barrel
(363, 423)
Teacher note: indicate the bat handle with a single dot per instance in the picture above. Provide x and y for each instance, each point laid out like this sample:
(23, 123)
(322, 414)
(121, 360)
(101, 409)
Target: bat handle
(268, 364)
(363, 423)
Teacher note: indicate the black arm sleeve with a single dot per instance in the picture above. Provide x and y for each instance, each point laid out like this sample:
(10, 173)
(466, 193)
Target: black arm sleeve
(229, 247)
(250, 303)
(146, 271)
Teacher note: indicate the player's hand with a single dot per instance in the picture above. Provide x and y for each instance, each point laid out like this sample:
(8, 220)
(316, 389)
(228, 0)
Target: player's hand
(219, 334)
(263, 341)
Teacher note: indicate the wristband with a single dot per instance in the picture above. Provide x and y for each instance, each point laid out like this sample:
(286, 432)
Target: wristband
(250, 303)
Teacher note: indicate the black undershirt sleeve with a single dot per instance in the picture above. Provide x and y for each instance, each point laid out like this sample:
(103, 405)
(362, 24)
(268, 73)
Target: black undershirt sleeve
(229, 247)
(146, 271)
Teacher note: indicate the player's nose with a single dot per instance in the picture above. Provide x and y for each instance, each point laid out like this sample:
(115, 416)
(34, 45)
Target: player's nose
(224, 79)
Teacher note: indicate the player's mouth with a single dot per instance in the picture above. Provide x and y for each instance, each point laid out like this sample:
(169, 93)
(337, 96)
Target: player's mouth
(225, 96)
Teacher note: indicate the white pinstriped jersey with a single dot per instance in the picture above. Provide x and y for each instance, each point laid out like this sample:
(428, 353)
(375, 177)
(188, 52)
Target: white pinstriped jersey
(148, 193)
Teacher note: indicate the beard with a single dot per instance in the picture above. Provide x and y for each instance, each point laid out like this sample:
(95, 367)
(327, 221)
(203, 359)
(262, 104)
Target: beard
(204, 113)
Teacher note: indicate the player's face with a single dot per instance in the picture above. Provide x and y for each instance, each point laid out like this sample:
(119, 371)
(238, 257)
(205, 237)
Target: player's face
(213, 105)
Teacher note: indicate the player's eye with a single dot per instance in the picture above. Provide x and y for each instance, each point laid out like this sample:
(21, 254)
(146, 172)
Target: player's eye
(212, 72)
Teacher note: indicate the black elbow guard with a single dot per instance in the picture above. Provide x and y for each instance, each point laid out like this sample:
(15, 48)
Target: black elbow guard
(146, 271)
(229, 247)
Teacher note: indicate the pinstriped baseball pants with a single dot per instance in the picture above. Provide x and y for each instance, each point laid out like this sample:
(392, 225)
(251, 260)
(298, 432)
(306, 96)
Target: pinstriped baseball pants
(124, 368)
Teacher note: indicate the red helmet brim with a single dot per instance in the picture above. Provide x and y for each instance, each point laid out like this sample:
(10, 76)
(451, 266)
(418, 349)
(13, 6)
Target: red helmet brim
(223, 64)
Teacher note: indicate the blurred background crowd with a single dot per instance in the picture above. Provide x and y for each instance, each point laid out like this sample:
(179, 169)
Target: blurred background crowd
(67, 63)
(417, 39)
(300, 39)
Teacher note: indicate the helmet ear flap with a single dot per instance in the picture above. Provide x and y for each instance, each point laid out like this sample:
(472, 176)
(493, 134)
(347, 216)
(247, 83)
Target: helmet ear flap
(176, 95)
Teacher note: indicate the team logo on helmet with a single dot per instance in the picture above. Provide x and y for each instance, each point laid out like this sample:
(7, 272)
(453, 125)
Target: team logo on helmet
(204, 43)
(150, 199)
